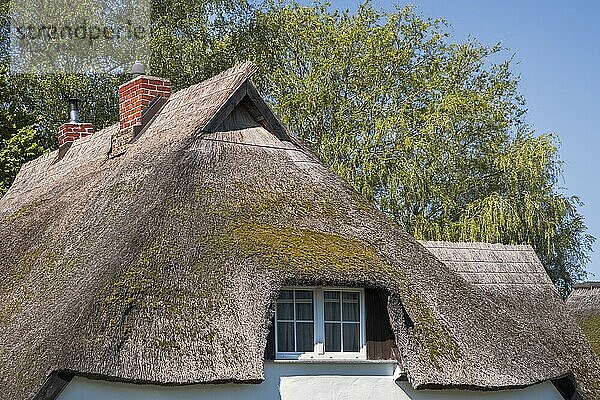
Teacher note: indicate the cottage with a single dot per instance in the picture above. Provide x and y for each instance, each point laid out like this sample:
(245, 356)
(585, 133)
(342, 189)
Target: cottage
(584, 305)
(195, 250)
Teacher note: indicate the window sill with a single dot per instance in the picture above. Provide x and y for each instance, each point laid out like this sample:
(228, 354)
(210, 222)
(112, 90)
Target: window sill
(332, 361)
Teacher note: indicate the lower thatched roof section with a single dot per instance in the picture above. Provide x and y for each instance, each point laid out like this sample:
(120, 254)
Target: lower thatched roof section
(513, 277)
(163, 265)
(584, 305)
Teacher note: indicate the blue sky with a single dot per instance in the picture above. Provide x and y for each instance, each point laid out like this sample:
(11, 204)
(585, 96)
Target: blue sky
(557, 50)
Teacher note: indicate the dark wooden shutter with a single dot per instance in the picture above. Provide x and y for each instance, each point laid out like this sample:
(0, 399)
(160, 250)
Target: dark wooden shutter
(380, 338)
(54, 384)
(270, 349)
(567, 388)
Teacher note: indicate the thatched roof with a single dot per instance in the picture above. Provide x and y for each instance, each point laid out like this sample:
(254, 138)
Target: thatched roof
(163, 264)
(494, 267)
(584, 305)
(513, 277)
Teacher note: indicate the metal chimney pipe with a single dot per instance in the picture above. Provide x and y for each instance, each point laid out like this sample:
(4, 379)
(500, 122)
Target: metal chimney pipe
(73, 111)
(138, 69)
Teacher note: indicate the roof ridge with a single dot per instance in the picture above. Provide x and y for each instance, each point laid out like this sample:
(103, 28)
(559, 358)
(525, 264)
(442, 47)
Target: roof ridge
(587, 285)
(471, 245)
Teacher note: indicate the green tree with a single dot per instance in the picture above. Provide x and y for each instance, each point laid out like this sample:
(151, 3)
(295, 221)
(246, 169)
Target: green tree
(14, 152)
(194, 39)
(19, 141)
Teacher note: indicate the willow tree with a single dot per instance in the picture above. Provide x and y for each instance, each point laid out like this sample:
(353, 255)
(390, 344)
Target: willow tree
(191, 40)
(431, 131)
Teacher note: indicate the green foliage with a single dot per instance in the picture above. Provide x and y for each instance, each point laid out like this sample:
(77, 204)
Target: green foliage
(192, 39)
(18, 140)
(14, 152)
(33, 106)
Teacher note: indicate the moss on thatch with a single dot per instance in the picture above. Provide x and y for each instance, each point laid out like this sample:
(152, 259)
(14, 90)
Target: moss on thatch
(22, 211)
(438, 344)
(590, 325)
(304, 250)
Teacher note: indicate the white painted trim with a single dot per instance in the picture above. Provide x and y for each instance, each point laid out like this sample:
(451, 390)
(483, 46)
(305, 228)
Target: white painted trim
(319, 328)
(324, 361)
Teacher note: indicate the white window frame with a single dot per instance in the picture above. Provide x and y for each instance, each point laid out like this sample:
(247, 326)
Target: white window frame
(319, 328)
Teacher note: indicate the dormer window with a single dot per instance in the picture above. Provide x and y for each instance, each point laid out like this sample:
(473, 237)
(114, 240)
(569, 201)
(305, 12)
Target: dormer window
(326, 323)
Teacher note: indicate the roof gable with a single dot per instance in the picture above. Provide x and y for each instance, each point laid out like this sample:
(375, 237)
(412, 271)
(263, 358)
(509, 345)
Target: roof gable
(247, 95)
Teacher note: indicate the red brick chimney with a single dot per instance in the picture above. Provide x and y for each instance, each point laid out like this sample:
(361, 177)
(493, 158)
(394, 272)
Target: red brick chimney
(72, 130)
(136, 100)
(135, 95)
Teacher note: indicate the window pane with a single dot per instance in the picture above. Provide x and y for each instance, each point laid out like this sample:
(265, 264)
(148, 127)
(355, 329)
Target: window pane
(332, 311)
(286, 294)
(304, 311)
(351, 337)
(304, 294)
(351, 312)
(332, 295)
(333, 337)
(285, 336)
(350, 296)
(285, 311)
(305, 336)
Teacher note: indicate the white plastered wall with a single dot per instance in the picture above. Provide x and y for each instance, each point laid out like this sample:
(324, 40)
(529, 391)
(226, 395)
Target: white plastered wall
(300, 381)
